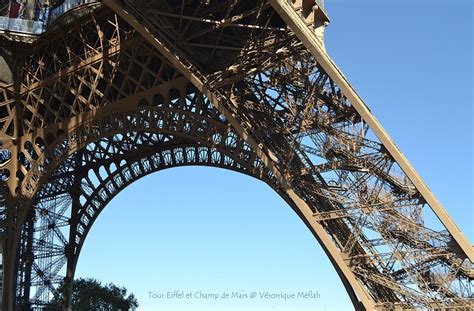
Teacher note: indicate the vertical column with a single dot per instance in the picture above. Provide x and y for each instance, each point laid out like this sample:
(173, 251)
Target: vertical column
(26, 261)
(71, 248)
(9, 260)
(70, 252)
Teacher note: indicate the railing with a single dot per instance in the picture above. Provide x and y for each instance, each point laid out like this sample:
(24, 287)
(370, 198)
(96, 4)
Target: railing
(37, 27)
(66, 6)
(22, 25)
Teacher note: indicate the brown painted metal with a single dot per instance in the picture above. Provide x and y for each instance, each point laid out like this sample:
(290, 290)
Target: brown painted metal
(118, 90)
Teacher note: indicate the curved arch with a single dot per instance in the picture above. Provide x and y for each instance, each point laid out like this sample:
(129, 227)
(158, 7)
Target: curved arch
(196, 120)
(173, 118)
(148, 162)
(209, 131)
(89, 205)
(203, 125)
(144, 170)
(98, 187)
(145, 165)
(190, 117)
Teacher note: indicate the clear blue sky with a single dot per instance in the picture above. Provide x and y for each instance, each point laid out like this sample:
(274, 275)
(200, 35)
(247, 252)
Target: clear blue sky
(209, 230)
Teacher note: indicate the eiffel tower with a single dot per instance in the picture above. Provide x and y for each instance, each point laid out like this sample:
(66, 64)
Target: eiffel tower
(97, 94)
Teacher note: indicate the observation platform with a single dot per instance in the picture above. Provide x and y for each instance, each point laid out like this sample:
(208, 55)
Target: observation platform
(21, 20)
(24, 20)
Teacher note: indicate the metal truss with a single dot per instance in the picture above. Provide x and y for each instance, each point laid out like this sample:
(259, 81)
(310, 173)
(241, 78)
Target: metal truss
(118, 90)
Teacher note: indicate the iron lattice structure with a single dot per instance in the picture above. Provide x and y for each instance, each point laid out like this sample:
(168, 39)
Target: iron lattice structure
(116, 90)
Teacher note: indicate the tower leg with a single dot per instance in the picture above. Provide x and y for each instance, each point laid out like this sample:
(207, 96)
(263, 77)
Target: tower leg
(9, 279)
(69, 278)
(71, 247)
(67, 291)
